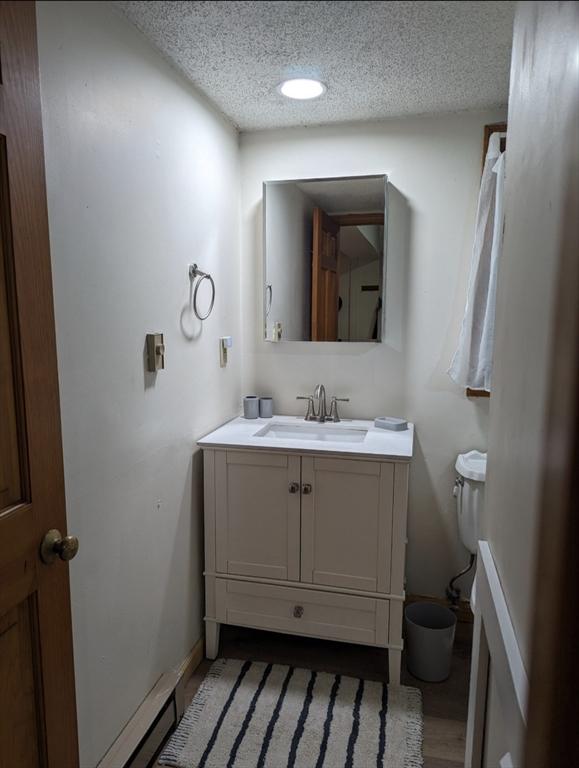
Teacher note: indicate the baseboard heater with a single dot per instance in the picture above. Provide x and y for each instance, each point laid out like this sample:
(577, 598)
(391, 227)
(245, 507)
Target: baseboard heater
(151, 743)
(141, 739)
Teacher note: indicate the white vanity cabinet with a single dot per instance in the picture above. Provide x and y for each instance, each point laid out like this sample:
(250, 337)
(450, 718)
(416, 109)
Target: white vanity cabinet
(257, 514)
(306, 543)
(346, 523)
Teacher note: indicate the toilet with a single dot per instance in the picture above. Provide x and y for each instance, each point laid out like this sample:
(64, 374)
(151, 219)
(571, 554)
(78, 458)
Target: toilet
(469, 490)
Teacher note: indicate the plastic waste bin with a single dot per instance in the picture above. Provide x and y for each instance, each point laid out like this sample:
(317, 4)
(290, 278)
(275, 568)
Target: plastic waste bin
(429, 639)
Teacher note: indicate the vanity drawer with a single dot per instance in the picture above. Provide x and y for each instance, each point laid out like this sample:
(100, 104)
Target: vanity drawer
(303, 612)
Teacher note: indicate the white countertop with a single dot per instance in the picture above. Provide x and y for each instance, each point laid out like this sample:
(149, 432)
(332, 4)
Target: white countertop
(378, 443)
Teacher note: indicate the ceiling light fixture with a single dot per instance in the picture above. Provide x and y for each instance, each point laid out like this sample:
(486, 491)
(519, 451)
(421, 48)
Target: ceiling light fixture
(302, 88)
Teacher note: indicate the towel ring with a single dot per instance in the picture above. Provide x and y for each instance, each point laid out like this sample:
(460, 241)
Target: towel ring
(194, 272)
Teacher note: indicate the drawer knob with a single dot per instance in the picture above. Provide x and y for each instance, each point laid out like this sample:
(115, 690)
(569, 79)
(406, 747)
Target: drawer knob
(294, 487)
(298, 611)
(307, 488)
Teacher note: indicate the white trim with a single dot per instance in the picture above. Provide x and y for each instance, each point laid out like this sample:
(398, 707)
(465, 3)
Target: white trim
(508, 639)
(305, 585)
(494, 641)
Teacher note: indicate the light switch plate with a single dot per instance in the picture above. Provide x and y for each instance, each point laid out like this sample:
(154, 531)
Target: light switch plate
(225, 343)
(155, 352)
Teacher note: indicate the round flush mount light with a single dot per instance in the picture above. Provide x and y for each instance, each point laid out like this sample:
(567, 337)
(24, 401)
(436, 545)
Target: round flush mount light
(302, 88)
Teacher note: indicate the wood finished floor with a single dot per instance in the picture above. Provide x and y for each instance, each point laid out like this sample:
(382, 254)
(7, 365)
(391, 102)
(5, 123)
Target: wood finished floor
(444, 704)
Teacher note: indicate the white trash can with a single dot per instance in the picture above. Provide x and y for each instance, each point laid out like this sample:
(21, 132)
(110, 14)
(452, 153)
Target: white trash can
(429, 639)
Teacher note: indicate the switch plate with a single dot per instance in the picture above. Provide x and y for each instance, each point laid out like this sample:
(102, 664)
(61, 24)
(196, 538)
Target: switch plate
(225, 343)
(155, 352)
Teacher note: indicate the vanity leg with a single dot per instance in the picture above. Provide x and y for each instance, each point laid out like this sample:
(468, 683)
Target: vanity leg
(394, 664)
(212, 639)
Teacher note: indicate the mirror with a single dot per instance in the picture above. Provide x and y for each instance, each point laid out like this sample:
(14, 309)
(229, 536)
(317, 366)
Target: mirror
(324, 256)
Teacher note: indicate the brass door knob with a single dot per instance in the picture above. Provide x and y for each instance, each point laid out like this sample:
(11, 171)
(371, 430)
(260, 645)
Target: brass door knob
(55, 545)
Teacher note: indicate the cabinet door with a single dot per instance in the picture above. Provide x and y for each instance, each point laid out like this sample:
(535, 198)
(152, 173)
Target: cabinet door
(257, 505)
(347, 523)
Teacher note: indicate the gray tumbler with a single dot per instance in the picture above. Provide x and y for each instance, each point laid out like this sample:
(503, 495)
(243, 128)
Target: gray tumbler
(266, 407)
(250, 407)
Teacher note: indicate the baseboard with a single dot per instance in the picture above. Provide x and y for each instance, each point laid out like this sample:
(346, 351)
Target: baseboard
(463, 611)
(159, 712)
(185, 671)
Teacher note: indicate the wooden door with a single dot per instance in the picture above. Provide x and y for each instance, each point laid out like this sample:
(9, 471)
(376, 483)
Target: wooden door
(325, 277)
(347, 523)
(257, 509)
(37, 698)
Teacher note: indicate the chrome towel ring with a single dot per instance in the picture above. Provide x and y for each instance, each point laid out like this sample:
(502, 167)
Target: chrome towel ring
(195, 272)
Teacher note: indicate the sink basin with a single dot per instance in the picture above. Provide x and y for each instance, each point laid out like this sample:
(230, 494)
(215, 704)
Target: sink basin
(327, 433)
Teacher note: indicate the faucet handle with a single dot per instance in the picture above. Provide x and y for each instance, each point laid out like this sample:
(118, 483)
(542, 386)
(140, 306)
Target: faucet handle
(311, 412)
(334, 416)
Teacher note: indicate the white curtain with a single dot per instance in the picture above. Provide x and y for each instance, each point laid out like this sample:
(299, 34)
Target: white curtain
(472, 364)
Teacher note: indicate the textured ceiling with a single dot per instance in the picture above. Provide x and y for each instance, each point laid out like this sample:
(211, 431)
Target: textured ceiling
(378, 59)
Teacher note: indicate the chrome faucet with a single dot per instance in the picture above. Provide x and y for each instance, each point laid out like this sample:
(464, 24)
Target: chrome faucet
(320, 397)
(320, 413)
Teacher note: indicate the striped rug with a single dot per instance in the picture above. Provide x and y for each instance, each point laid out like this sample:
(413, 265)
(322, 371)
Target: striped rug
(255, 715)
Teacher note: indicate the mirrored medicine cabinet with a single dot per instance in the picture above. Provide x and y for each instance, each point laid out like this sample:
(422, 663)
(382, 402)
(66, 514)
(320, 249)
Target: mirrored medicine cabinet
(325, 259)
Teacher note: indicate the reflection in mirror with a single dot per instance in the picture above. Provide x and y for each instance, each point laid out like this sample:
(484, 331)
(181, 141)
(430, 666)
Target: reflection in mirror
(324, 259)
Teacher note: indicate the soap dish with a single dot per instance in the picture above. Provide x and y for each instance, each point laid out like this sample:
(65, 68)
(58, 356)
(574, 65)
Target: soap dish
(389, 422)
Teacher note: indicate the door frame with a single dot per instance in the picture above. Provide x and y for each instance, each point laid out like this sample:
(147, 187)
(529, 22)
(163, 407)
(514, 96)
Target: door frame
(323, 224)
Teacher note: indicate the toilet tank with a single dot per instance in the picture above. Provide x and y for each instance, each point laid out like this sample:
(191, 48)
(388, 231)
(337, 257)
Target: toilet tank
(469, 490)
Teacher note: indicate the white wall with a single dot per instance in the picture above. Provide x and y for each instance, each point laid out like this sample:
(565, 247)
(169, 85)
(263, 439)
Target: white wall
(435, 164)
(142, 179)
(289, 245)
(363, 305)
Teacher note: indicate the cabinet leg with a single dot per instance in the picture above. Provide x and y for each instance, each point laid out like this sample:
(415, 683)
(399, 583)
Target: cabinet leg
(394, 664)
(212, 639)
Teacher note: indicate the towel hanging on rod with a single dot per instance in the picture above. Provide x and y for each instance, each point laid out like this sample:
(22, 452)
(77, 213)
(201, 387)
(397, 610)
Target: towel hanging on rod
(472, 364)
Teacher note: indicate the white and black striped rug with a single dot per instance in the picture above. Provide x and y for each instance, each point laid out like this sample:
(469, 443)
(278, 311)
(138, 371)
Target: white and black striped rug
(256, 715)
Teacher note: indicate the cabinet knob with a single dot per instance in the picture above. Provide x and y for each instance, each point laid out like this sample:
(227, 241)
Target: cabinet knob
(307, 488)
(298, 611)
(294, 487)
